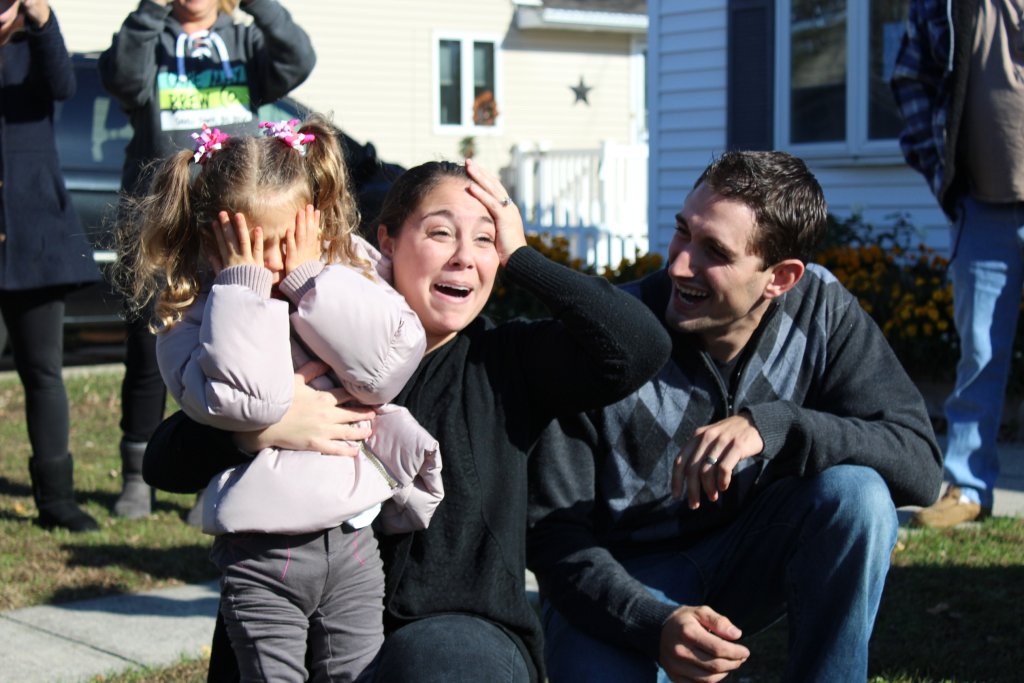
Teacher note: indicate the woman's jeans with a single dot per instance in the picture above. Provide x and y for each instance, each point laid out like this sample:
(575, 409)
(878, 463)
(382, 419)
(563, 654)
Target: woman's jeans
(814, 548)
(451, 648)
(987, 274)
(35, 327)
(143, 393)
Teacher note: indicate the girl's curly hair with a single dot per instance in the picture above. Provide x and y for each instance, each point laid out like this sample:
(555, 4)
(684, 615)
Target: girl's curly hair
(163, 237)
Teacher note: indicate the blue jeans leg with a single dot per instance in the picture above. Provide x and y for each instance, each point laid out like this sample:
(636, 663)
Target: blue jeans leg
(987, 274)
(815, 547)
(451, 648)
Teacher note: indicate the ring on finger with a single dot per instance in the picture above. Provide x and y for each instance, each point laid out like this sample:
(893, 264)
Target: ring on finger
(505, 202)
(711, 460)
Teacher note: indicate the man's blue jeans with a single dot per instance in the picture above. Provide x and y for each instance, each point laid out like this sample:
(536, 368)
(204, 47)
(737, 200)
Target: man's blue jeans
(987, 273)
(815, 548)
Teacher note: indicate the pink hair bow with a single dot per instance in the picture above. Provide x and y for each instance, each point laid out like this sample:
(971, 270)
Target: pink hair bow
(208, 140)
(286, 133)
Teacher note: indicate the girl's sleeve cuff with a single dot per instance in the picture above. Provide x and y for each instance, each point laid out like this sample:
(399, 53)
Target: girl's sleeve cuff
(301, 280)
(256, 278)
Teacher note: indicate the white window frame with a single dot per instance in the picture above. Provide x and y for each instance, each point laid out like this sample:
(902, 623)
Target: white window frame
(638, 111)
(856, 146)
(466, 65)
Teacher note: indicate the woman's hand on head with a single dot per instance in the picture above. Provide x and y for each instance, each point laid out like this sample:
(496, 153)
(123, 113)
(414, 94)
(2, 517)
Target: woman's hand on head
(508, 222)
(235, 245)
(318, 421)
(303, 242)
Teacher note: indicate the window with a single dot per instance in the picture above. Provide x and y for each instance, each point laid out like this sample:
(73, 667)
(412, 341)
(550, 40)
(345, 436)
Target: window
(467, 84)
(834, 59)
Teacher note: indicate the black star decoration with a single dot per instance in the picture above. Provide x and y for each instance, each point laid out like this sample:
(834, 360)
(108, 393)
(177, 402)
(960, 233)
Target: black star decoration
(581, 91)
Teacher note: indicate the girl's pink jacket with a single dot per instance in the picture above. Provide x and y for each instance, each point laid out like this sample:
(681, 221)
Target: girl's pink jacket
(229, 363)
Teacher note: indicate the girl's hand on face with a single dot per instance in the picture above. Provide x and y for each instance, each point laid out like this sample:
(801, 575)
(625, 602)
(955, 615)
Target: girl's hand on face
(508, 222)
(235, 245)
(303, 243)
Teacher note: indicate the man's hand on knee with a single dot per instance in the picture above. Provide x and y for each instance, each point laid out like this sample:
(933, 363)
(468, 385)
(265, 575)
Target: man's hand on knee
(695, 646)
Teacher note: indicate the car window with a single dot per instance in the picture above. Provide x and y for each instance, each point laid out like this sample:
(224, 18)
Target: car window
(282, 110)
(92, 131)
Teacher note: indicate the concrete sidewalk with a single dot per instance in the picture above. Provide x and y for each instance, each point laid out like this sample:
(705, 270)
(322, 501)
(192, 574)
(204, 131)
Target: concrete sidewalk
(77, 641)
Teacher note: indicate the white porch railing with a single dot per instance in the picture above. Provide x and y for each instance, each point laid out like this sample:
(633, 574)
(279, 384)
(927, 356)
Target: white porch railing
(595, 198)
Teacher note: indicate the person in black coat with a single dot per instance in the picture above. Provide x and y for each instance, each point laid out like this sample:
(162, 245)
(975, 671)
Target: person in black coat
(43, 249)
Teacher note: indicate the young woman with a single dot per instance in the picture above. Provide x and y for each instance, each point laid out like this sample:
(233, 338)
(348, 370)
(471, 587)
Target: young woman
(455, 602)
(44, 253)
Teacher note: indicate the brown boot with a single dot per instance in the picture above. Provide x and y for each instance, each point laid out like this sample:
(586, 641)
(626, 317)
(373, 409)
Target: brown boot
(951, 509)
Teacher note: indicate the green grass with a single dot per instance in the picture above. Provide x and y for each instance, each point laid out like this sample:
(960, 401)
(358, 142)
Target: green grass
(38, 566)
(187, 671)
(952, 612)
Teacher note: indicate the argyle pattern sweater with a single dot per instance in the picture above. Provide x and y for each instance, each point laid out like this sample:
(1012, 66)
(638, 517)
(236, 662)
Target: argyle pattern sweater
(821, 385)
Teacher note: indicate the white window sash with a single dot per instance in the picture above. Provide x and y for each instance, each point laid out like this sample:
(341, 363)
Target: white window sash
(856, 146)
(467, 127)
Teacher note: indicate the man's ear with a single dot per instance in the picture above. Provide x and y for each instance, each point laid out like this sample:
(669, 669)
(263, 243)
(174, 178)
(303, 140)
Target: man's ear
(785, 275)
(384, 241)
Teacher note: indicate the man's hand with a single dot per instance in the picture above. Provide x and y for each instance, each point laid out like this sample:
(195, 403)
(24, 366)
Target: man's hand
(316, 421)
(709, 458)
(695, 646)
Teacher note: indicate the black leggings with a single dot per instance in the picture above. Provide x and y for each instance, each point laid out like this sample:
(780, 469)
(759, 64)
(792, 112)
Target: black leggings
(35, 327)
(142, 391)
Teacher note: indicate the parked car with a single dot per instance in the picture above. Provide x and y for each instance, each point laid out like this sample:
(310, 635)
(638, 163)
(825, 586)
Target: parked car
(92, 132)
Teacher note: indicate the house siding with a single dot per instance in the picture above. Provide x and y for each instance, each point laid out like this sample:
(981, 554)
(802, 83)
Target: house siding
(688, 103)
(374, 73)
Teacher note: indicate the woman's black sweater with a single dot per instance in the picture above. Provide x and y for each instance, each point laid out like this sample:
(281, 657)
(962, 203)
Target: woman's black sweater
(486, 395)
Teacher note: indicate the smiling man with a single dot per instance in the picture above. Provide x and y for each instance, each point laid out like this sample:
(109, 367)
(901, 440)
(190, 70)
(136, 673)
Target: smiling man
(756, 475)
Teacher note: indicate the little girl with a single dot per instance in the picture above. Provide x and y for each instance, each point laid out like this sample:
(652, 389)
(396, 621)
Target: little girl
(289, 282)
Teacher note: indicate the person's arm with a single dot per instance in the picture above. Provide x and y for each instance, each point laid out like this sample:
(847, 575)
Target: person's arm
(228, 362)
(602, 343)
(361, 327)
(282, 52)
(128, 67)
(51, 64)
(916, 81)
(866, 411)
(183, 455)
(575, 570)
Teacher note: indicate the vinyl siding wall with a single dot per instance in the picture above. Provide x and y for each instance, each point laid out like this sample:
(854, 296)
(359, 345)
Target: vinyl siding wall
(688, 105)
(375, 76)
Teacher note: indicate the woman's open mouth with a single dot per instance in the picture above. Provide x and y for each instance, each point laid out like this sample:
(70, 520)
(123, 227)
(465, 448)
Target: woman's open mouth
(457, 291)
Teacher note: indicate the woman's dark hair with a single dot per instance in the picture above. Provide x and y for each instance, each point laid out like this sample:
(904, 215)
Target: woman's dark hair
(410, 188)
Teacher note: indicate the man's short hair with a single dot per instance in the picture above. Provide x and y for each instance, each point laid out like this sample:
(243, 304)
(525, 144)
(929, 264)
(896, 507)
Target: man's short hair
(787, 201)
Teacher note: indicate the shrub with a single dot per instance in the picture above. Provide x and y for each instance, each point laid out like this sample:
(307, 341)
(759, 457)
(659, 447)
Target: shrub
(902, 285)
